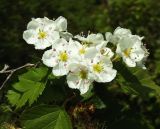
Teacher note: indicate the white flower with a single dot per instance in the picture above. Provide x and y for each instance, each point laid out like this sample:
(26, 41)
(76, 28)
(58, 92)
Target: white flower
(40, 33)
(101, 69)
(58, 57)
(130, 48)
(81, 52)
(78, 78)
(96, 40)
(117, 35)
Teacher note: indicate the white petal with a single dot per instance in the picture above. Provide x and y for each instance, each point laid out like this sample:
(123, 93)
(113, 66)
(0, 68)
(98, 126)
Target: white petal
(49, 58)
(60, 44)
(91, 52)
(74, 46)
(121, 31)
(129, 62)
(101, 44)
(30, 36)
(84, 86)
(66, 35)
(95, 38)
(72, 80)
(75, 82)
(107, 76)
(60, 69)
(137, 56)
(125, 43)
(53, 36)
(107, 62)
(61, 23)
(73, 66)
(108, 36)
(33, 24)
(42, 44)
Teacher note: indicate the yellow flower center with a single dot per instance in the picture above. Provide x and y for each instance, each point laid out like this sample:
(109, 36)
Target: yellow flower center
(98, 67)
(83, 74)
(82, 51)
(127, 52)
(63, 56)
(42, 34)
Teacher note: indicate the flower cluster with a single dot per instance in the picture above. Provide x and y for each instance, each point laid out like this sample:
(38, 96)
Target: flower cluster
(84, 59)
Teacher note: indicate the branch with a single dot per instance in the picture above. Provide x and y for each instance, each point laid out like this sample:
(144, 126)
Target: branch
(4, 70)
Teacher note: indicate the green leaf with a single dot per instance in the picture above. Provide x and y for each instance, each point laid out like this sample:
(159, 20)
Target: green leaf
(31, 84)
(46, 117)
(55, 91)
(136, 80)
(5, 113)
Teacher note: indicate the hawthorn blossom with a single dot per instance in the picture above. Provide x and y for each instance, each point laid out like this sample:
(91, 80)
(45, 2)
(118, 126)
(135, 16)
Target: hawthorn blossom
(78, 77)
(102, 69)
(131, 49)
(81, 52)
(84, 59)
(58, 57)
(40, 33)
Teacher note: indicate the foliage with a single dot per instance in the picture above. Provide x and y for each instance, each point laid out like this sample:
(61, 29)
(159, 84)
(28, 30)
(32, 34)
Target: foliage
(46, 117)
(29, 87)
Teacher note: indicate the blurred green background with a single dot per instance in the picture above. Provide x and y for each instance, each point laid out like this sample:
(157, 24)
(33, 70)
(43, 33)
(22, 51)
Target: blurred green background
(141, 16)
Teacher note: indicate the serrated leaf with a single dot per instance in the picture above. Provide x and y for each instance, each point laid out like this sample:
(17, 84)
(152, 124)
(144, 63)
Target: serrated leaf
(34, 74)
(46, 117)
(136, 80)
(29, 87)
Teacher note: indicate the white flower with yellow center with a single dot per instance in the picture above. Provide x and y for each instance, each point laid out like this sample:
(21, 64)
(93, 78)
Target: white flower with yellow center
(101, 69)
(78, 77)
(130, 48)
(81, 52)
(58, 57)
(40, 32)
(96, 40)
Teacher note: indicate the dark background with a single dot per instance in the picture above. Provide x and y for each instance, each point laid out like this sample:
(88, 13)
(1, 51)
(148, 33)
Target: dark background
(141, 16)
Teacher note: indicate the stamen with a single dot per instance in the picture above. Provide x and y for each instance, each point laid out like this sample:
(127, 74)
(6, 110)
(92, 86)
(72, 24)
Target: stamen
(42, 34)
(127, 52)
(98, 67)
(63, 56)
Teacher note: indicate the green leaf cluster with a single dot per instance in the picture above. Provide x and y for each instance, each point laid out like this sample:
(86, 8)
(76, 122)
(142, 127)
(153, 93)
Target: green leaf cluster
(31, 84)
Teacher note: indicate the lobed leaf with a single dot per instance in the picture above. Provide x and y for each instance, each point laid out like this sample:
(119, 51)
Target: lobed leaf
(46, 117)
(31, 84)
